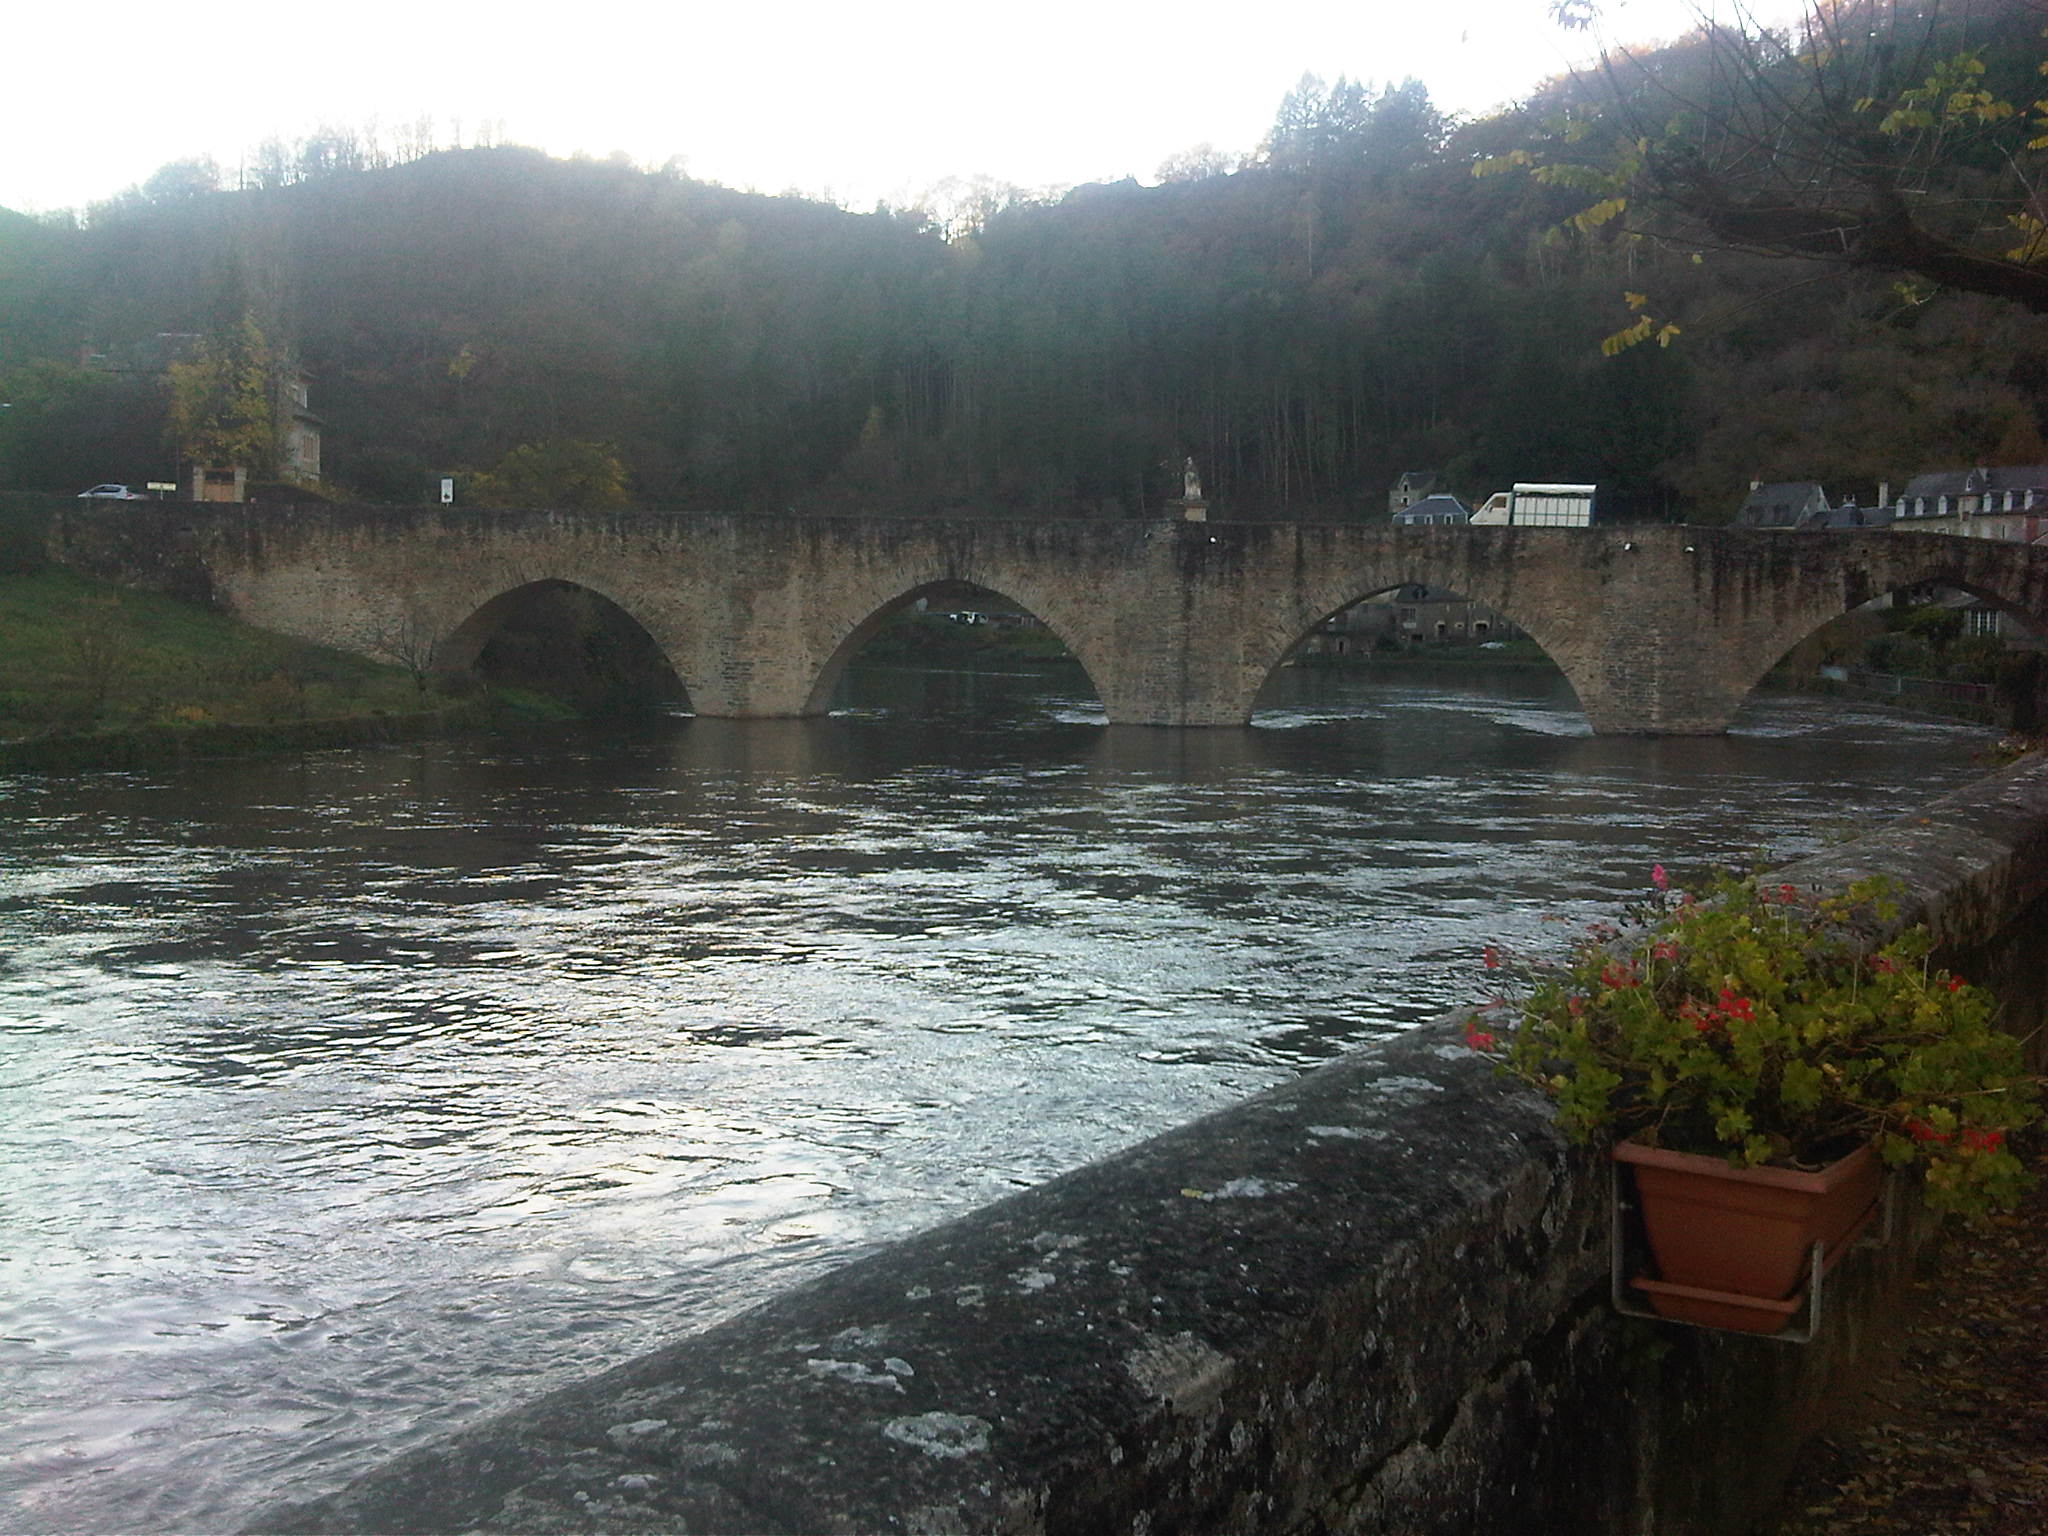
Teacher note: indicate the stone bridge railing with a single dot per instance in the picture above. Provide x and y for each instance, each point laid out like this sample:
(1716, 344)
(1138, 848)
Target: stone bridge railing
(1372, 1300)
(1660, 630)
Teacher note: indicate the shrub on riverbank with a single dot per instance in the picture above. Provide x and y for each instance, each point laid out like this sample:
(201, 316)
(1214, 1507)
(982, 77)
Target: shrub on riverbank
(25, 519)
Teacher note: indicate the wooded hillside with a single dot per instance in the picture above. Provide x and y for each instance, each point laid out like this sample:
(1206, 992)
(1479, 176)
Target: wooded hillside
(1350, 303)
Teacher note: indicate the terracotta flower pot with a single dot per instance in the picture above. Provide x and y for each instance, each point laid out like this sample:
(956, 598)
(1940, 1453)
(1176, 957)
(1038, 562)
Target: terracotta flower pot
(1732, 1246)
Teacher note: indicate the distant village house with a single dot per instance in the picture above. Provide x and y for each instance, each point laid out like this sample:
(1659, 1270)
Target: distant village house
(1782, 504)
(299, 450)
(1408, 616)
(1438, 510)
(1413, 485)
(1978, 503)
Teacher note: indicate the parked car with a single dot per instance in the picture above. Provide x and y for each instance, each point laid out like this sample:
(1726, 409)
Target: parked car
(112, 493)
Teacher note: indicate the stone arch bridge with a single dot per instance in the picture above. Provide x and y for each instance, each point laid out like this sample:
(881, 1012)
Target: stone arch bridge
(1660, 630)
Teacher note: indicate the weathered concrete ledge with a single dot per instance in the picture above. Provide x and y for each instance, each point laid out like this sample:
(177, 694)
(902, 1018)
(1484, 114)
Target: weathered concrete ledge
(1371, 1300)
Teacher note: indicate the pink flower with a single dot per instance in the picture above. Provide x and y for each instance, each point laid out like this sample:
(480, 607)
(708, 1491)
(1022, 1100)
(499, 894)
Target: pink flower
(1658, 878)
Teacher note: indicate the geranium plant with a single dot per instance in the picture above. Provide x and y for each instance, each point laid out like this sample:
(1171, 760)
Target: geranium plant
(1757, 1023)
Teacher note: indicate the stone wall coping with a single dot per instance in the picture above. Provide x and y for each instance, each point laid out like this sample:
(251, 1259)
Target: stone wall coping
(1129, 1323)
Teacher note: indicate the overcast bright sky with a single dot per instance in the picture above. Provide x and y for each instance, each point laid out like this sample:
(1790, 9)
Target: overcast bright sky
(859, 102)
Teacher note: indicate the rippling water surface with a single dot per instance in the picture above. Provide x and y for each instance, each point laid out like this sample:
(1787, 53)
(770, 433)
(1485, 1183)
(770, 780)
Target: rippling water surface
(343, 1099)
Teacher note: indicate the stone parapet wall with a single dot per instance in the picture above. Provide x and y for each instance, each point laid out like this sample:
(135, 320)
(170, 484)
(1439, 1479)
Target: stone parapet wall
(1373, 1299)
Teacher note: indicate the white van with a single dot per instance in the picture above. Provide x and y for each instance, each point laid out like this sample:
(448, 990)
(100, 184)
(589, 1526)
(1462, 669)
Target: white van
(1536, 505)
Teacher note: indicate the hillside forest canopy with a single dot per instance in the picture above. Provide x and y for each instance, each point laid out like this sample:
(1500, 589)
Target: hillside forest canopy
(1824, 243)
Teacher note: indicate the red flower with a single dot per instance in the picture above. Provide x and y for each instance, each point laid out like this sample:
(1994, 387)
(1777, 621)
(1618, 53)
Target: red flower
(1920, 1130)
(1576, 1006)
(1955, 983)
(1788, 894)
(1984, 1141)
(1479, 1039)
(1884, 964)
(1619, 977)
(1735, 1006)
(1492, 958)
(1667, 950)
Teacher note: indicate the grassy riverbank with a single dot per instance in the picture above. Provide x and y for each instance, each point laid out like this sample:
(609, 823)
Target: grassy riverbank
(93, 674)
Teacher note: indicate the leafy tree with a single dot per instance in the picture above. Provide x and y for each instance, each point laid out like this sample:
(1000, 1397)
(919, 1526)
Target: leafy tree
(1196, 163)
(224, 403)
(557, 473)
(63, 427)
(1873, 134)
(178, 180)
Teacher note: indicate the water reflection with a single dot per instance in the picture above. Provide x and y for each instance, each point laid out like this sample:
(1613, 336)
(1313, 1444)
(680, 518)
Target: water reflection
(348, 1097)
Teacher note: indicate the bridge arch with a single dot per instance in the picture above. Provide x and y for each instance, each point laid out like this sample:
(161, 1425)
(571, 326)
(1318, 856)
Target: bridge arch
(855, 638)
(1416, 591)
(1439, 561)
(2012, 578)
(566, 637)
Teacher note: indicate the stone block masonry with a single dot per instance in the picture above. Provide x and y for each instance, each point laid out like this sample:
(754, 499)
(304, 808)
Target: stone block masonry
(1372, 1300)
(1660, 630)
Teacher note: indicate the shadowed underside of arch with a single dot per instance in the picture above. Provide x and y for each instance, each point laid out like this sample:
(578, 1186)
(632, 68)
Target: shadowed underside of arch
(2011, 578)
(1316, 607)
(864, 630)
(569, 640)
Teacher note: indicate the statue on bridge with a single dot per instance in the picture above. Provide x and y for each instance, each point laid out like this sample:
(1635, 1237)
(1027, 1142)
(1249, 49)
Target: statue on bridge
(1191, 483)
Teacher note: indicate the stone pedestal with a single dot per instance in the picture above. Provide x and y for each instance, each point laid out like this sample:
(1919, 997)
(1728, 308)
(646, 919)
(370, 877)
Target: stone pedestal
(216, 483)
(1194, 509)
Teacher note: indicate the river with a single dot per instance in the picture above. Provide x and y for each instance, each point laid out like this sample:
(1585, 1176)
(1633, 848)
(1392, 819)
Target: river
(346, 1098)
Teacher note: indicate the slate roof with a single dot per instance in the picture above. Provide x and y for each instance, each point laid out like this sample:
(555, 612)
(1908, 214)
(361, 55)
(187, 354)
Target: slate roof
(1974, 482)
(1849, 515)
(1946, 482)
(1782, 504)
(1431, 508)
